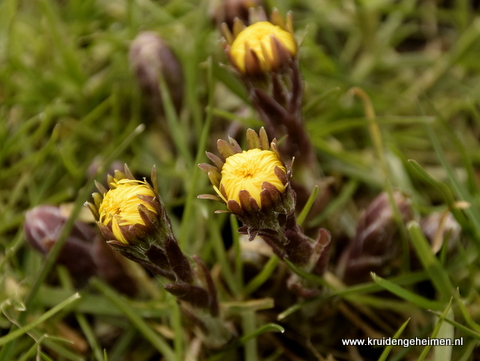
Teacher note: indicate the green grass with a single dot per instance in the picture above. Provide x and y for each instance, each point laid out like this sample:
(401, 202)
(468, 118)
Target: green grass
(68, 100)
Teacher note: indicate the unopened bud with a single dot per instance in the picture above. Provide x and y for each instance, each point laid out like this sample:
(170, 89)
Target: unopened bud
(150, 59)
(376, 242)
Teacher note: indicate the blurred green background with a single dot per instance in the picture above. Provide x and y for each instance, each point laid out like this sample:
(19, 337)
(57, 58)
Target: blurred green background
(70, 103)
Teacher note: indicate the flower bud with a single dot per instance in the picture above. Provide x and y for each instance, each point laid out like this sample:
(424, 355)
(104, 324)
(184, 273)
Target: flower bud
(150, 58)
(376, 242)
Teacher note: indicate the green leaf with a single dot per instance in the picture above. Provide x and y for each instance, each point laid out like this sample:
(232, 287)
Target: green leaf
(296, 307)
(90, 336)
(306, 275)
(459, 188)
(195, 175)
(446, 331)
(319, 98)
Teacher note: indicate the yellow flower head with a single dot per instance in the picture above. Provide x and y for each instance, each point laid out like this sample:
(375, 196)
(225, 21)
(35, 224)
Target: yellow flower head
(270, 43)
(120, 205)
(248, 180)
(248, 171)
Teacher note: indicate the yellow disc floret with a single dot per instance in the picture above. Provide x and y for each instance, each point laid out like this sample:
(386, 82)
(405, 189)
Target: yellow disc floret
(247, 171)
(258, 37)
(120, 205)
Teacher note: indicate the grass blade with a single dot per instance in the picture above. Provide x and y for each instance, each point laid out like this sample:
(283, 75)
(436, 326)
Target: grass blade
(154, 338)
(406, 295)
(432, 265)
(386, 351)
(304, 213)
(435, 332)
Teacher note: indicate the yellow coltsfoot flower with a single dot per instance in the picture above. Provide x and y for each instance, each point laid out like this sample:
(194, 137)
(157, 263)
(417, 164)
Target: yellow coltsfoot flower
(255, 186)
(120, 205)
(132, 219)
(264, 46)
(126, 211)
(248, 171)
(250, 182)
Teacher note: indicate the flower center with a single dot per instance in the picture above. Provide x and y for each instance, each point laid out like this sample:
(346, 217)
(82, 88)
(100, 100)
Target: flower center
(248, 171)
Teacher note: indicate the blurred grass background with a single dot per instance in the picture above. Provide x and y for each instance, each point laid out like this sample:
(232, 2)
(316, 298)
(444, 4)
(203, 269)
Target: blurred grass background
(69, 101)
